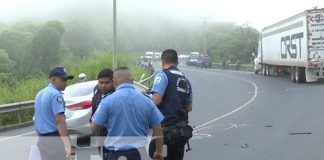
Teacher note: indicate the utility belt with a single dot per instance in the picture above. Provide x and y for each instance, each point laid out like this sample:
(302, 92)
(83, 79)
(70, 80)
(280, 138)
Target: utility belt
(55, 133)
(176, 134)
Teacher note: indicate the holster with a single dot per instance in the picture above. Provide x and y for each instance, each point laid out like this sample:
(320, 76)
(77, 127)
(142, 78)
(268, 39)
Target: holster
(177, 133)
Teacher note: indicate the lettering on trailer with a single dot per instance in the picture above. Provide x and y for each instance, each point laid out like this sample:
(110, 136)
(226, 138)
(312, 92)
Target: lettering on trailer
(291, 45)
(318, 18)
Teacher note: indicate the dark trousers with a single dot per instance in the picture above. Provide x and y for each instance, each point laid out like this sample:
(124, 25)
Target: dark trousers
(132, 154)
(175, 152)
(51, 146)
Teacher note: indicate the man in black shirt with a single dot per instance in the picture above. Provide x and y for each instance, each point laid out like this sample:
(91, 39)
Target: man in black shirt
(104, 88)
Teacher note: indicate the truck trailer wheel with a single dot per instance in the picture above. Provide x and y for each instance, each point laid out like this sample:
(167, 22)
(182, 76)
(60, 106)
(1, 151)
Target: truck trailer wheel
(300, 76)
(293, 74)
(264, 70)
(268, 72)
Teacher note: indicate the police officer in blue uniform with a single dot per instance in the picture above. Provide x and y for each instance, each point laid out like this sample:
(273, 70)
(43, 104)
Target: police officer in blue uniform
(128, 114)
(172, 93)
(54, 142)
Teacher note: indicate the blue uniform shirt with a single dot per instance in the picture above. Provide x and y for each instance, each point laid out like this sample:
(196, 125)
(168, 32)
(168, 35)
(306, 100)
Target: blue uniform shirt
(48, 103)
(128, 115)
(161, 83)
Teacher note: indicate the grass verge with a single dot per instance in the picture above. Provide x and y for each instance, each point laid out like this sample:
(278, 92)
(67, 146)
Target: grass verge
(28, 88)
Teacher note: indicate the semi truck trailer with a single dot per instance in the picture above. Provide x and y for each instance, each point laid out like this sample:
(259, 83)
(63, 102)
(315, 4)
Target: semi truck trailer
(293, 46)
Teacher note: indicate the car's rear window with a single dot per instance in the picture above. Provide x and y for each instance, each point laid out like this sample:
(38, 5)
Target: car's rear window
(78, 90)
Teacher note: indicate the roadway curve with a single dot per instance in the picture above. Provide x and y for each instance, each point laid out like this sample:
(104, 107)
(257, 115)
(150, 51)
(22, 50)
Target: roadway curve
(238, 115)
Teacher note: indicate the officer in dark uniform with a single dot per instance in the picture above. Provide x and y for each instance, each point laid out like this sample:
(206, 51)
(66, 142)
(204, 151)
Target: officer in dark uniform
(172, 93)
(54, 142)
(104, 88)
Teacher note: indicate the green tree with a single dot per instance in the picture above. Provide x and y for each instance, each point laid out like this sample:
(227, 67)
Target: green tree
(46, 46)
(17, 44)
(230, 41)
(25, 26)
(5, 62)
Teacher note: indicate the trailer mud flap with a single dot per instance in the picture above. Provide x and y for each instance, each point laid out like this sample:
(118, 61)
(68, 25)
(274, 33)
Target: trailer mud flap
(310, 76)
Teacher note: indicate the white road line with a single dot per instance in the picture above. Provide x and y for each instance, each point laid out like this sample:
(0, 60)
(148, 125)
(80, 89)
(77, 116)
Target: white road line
(197, 128)
(236, 126)
(17, 136)
(204, 128)
(200, 136)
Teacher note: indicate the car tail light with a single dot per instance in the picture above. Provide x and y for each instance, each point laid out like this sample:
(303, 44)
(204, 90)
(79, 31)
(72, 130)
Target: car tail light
(81, 105)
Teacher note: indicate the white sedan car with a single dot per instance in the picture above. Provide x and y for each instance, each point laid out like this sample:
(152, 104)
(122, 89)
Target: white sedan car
(78, 100)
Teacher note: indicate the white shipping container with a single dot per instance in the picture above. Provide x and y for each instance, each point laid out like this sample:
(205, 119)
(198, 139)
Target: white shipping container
(295, 45)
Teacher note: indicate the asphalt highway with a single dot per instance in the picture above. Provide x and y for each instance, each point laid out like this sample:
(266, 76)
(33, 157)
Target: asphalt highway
(237, 116)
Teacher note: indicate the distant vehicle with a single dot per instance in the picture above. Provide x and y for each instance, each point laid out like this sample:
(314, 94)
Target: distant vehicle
(148, 56)
(204, 61)
(157, 56)
(78, 100)
(183, 58)
(193, 59)
(294, 45)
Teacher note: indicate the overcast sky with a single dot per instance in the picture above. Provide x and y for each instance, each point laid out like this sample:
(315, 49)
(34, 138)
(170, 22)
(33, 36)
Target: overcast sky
(259, 13)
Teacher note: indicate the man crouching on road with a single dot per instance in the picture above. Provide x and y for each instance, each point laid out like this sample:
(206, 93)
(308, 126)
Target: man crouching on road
(128, 115)
(54, 142)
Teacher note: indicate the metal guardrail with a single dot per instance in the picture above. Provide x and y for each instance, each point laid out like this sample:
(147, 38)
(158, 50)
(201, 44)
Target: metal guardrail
(21, 106)
(141, 85)
(148, 78)
(17, 108)
(150, 69)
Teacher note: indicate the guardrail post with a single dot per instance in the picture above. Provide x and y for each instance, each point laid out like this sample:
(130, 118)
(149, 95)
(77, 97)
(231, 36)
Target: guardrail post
(18, 116)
